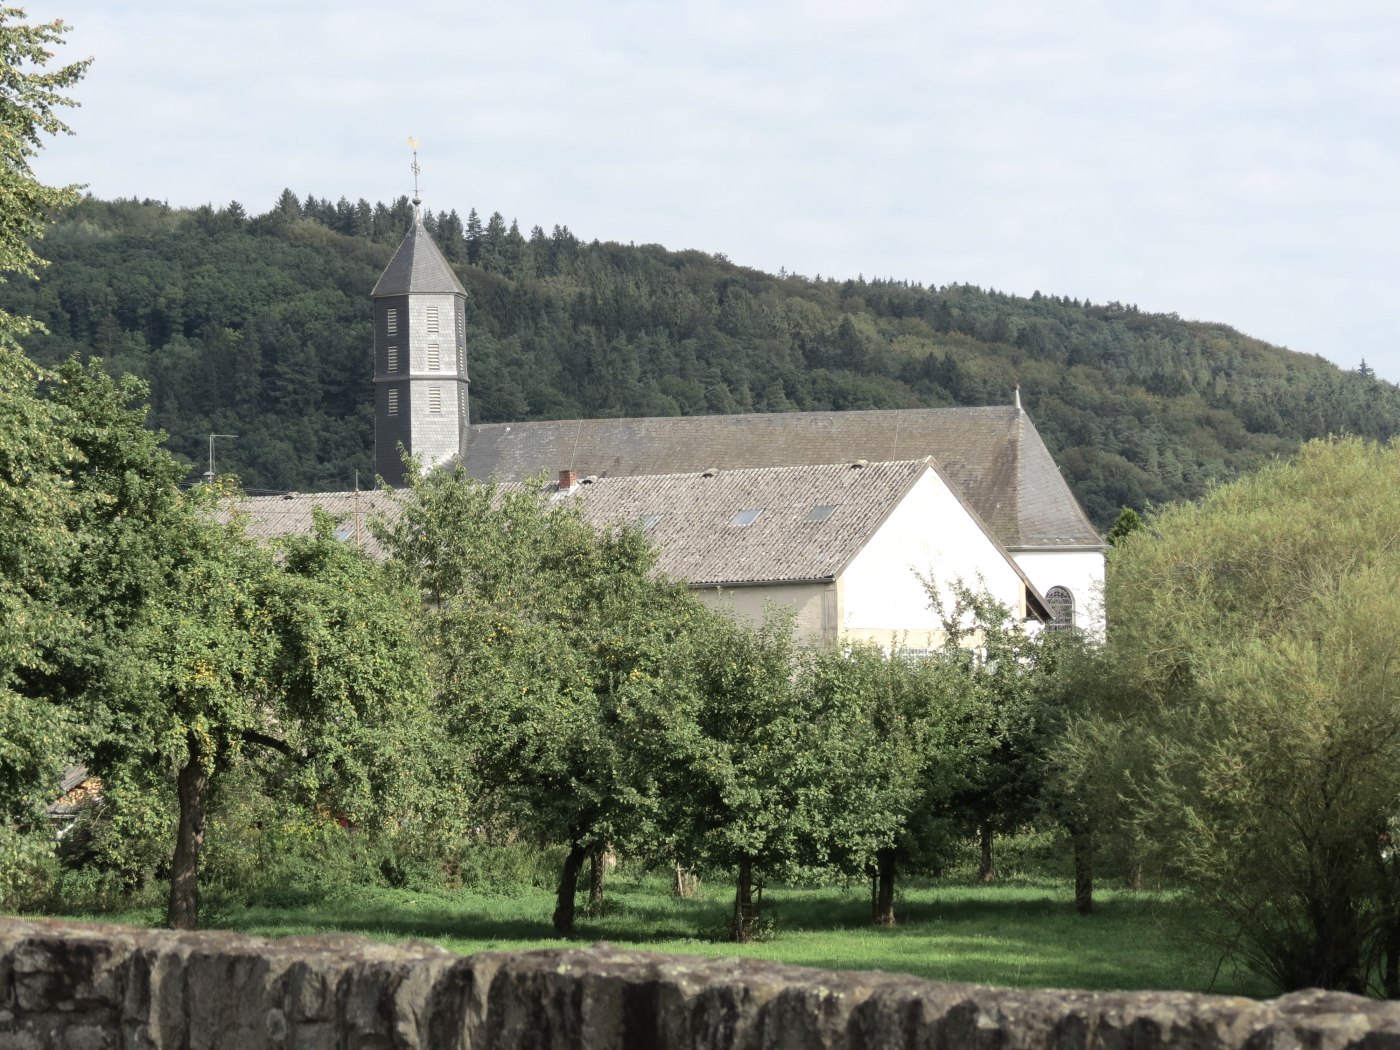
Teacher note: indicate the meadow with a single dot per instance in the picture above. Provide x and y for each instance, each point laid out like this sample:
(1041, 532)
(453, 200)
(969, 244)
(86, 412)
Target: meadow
(1021, 932)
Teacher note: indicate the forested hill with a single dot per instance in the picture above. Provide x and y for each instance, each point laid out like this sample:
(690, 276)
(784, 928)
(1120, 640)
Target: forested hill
(260, 327)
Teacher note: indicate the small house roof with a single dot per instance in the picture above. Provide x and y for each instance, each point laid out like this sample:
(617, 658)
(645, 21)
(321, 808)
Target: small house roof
(269, 517)
(761, 525)
(711, 528)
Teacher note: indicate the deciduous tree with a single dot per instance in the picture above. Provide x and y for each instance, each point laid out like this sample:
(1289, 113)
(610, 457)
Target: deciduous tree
(1256, 634)
(32, 96)
(550, 645)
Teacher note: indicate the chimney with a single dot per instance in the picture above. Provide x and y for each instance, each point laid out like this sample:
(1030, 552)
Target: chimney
(567, 480)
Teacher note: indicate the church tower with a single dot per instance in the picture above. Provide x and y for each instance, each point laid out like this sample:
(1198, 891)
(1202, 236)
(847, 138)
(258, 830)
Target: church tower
(420, 358)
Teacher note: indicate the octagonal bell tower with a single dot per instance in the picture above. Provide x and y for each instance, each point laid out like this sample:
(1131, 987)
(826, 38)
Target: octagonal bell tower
(420, 358)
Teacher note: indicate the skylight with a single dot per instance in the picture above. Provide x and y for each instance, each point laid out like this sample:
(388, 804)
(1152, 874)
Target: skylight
(820, 513)
(745, 517)
(648, 521)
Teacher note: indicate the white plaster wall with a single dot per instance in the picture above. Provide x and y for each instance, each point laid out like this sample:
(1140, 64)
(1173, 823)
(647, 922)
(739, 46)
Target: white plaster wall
(930, 532)
(753, 604)
(1081, 571)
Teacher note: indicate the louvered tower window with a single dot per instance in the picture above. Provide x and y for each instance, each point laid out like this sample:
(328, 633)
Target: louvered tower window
(434, 399)
(391, 321)
(393, 401)
(432, 320)
(393, 362)
(434, 358)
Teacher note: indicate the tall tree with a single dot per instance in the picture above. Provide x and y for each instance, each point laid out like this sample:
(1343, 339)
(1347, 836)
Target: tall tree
(32, 96)
(311, 656)
(1254, 637)
(550, 641)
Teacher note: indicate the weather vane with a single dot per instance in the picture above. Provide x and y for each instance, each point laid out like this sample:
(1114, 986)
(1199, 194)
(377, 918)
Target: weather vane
(413, 143)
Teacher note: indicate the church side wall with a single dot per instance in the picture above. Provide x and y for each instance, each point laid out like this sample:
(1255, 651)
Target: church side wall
(930, 532)
(1079, 570)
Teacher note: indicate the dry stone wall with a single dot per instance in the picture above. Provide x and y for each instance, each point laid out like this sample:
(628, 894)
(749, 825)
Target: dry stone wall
(89, 987)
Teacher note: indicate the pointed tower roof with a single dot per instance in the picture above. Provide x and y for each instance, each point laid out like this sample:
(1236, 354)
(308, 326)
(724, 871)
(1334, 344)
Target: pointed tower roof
(417, 266)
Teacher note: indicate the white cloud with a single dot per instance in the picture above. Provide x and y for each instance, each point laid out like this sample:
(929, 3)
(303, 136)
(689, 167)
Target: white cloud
(1235, 162)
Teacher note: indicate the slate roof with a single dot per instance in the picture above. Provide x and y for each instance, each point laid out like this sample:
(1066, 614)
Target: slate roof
(417, 266)
(993, 456)
(693, 512)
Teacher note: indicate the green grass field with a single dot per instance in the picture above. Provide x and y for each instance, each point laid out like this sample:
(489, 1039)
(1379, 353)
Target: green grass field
(1022, 933)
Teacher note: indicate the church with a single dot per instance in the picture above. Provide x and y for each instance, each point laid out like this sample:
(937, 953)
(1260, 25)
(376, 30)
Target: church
(846, 518)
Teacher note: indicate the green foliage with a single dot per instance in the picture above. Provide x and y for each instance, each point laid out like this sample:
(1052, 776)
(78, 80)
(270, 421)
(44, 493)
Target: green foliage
(549, 643)
(28, 868)
(81, 480)
(1254, 639)
(30, 97)
(311, 655)
(999, 727)
(1014, 934)
(1127, 523)
(260, 327)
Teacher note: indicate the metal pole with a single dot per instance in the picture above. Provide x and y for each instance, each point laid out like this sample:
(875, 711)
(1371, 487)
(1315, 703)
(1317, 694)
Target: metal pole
(210, 475)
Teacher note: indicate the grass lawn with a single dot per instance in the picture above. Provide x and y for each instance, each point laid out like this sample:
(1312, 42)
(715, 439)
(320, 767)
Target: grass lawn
(1022, 933)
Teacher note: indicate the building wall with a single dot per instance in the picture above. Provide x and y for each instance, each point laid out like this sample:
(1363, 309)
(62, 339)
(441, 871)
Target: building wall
(434, 358)
(1080, 570)
(813, 606)
(425, 360)
(930, 532)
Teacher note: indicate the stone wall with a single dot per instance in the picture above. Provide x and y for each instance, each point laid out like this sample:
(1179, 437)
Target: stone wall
(89, 987)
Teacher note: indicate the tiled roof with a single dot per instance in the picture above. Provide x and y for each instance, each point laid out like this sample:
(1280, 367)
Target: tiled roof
(692, 514)
(269, 517)
(417, 266)
(689, 516)
(994, 456)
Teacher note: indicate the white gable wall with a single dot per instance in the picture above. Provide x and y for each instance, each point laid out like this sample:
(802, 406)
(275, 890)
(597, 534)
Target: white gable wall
(930, 532)
(1082, 571)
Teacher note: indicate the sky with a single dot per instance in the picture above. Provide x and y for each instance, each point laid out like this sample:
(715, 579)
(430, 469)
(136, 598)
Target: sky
(1226, 160)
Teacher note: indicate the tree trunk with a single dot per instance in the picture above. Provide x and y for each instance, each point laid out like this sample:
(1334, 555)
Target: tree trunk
(192, 784)
(986, 870)
(686, 883)
(884, 888)
(741, 928)
(1134, 874)
(597, 859)
(568, 889)
(1390, 979)
(1082, 839)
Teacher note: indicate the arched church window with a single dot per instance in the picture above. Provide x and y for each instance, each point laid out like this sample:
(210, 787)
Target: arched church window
(1061, 603)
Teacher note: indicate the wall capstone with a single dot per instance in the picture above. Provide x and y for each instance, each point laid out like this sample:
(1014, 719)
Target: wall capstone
(93, 987)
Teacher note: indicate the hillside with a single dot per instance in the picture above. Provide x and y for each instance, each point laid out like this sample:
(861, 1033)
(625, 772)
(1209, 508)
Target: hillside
(260, 327)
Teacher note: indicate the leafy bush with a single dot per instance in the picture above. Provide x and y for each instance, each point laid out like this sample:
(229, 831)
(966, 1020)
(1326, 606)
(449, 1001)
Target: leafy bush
(28, 868)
